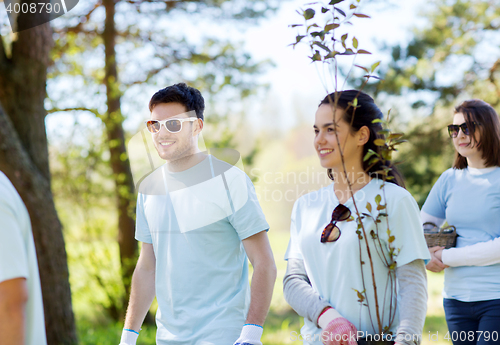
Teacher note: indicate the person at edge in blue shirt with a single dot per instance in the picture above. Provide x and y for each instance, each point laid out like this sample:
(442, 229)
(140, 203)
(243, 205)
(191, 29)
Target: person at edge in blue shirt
(197, 218)
(468, 197)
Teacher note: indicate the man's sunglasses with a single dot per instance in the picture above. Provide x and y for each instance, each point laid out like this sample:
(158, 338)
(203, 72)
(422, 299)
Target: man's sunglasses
(453, 129)
(172, 125)
(331, 233)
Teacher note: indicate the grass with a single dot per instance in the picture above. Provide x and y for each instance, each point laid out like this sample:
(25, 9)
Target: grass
(95, 329)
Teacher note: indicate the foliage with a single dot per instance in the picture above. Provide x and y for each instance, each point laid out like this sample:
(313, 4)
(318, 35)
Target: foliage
(455, 56)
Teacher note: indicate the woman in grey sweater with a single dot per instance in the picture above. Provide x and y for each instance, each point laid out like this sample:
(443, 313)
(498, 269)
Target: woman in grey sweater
(333, 272)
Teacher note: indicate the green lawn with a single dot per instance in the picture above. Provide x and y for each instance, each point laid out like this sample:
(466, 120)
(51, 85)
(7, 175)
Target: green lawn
(281, 321)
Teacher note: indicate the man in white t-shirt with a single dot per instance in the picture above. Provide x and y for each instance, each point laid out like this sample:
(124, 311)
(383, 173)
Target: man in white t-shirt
(21, 309)
(197, 218)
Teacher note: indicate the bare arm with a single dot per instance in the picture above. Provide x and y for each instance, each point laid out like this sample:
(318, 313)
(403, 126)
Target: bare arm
(260, 255)
(143, 288)
(13, 298)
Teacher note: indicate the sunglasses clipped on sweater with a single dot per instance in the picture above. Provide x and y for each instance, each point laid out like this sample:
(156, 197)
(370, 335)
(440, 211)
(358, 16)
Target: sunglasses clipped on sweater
(331, 233)
(172, 125)
(454, 129)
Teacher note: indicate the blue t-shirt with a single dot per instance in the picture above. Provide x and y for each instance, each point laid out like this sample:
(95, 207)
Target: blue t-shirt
(472, 204)
(334, 269)
(196, 220)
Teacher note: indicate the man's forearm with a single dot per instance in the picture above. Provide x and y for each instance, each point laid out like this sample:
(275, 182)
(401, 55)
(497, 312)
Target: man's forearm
(12, 324)
(13, 299)
(141, 296)
(263, 279)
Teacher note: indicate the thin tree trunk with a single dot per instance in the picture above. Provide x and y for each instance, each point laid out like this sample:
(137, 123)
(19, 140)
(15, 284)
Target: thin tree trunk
(120, 164)
(24, 159)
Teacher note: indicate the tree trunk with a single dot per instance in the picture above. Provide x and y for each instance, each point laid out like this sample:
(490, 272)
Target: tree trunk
(120, 164)
(24, 159)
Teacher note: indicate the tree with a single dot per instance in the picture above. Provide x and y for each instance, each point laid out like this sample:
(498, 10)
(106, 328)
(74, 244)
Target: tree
(456, 55)
(102, 59)
(24, 159)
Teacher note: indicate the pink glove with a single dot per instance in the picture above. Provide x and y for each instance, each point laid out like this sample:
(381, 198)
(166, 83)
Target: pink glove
(340, 332)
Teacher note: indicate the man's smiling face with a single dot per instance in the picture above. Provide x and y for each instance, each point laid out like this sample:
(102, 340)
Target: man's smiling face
(174, 146)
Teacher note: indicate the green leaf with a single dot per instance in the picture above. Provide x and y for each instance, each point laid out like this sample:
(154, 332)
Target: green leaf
(330, 27)
(360, 296)
(340, 11)
(381, 207)
(316, 56)
(359, 15)
(400, 141)
(395, 136)
(299, 38)
(321, 45)
(309, 13)
(365, 69)
(369, 207)
(312, 26)
(362, 51)
(391, 239)
(352, 7)
(331, 55)
(324, 10)
(378, 199)
(379, 142)
(334, 2)
(355, 43)
(375, 65)
(369, 154)
(295, 25)
(378, 121)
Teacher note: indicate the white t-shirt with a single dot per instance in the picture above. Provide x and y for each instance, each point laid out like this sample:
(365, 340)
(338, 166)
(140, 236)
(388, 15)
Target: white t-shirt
(196, 229)
(18, 257)
(334, 268)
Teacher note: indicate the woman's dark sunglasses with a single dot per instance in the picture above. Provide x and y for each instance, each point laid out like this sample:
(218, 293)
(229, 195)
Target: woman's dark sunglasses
(331, 233)
(453, 129)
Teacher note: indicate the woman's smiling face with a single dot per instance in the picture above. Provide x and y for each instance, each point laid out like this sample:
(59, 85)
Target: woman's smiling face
(325, 141)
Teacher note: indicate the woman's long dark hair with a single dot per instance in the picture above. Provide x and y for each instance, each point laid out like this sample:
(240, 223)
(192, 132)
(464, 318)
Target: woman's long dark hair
(363, 115)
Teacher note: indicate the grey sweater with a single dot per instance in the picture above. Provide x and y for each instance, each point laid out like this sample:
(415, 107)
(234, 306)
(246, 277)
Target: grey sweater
(412, 280)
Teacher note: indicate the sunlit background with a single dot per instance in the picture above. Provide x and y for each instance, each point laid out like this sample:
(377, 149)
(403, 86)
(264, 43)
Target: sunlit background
(261, 96)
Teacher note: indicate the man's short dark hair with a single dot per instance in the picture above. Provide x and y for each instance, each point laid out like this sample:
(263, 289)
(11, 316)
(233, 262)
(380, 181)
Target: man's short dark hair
(188, 96)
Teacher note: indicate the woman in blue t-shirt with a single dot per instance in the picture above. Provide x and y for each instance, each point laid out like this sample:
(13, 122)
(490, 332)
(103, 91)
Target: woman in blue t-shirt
(329, 278)
(468, 197)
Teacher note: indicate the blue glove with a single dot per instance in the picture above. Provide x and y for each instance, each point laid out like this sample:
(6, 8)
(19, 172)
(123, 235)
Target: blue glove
(250, 335)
